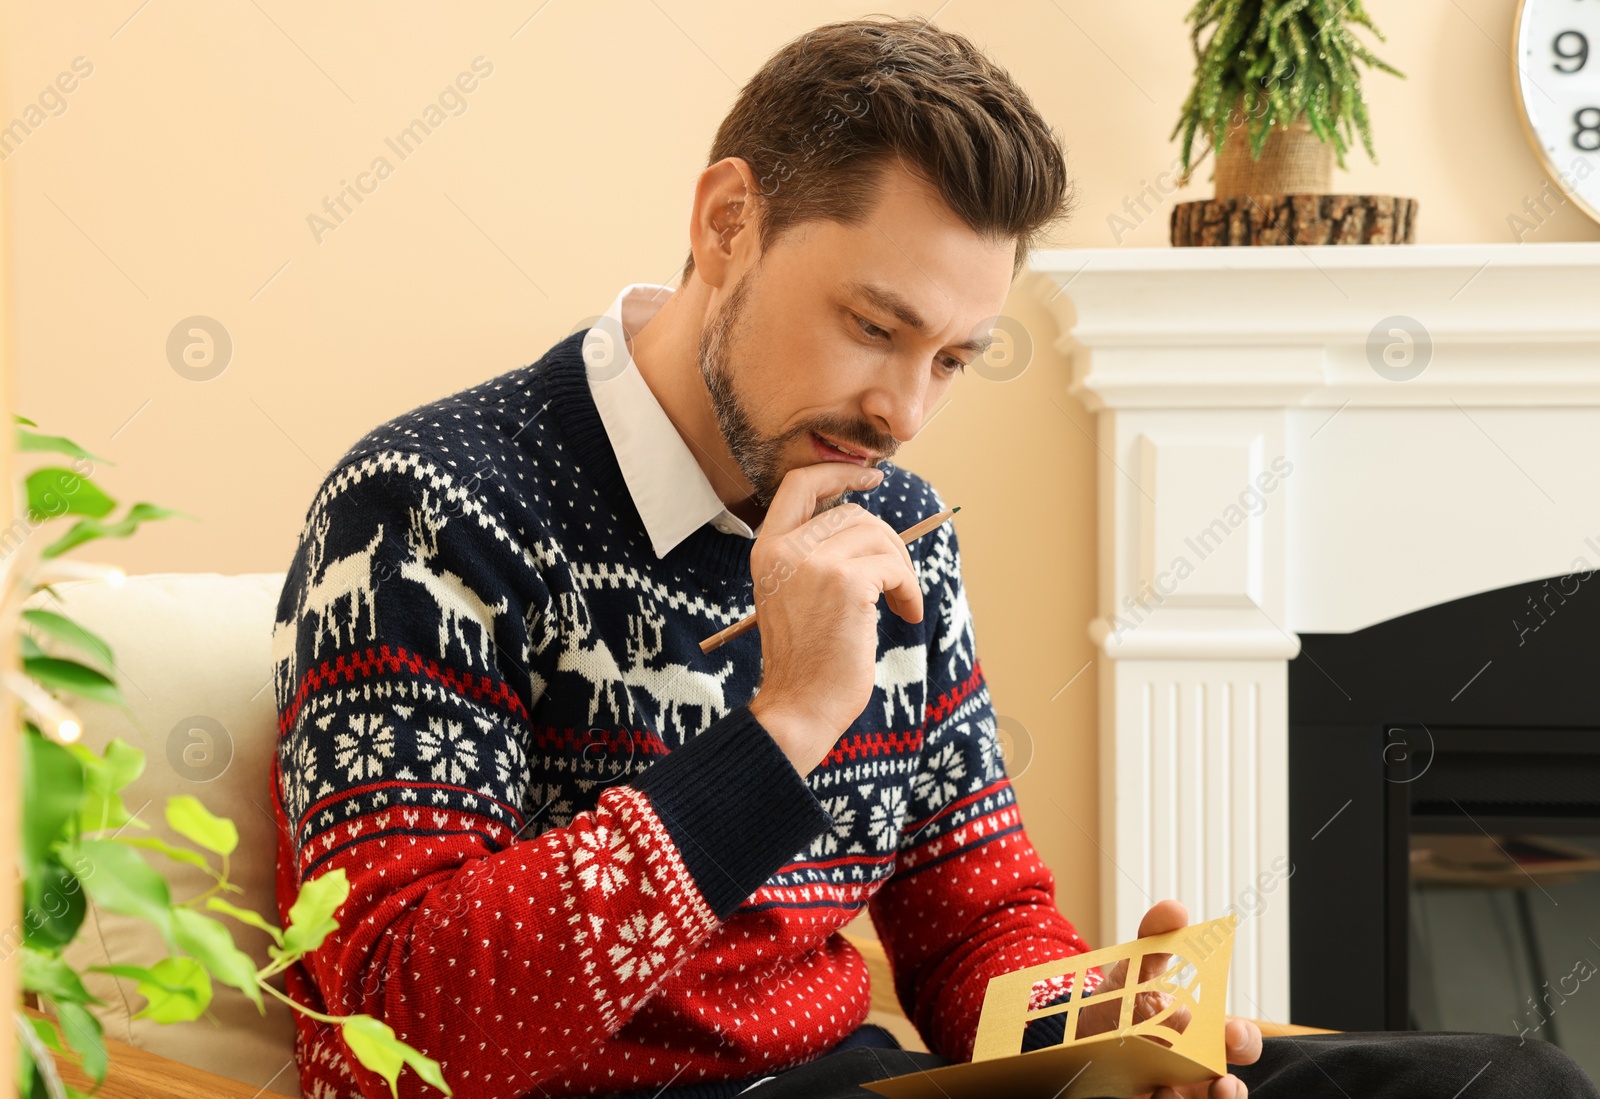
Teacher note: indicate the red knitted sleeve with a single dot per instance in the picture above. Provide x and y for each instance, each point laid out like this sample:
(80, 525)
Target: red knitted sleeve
(969, 898)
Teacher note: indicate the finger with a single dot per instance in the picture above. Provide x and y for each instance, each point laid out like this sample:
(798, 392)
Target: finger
(1164, 916)
(852, 526)
(1243, 1041)
(1218, 1087)
(874, 554)
(1148, 1004)
(891, 576)
(1227, 1087)
(893, 541)
(865, 535)
(1112, 976)
(844, 516)
(795, 502)
(850, 530)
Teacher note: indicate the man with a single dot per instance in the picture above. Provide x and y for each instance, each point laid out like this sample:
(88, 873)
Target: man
(586, 857)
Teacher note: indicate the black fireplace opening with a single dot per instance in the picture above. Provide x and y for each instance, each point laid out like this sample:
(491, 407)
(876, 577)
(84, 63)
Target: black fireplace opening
(1444, 812)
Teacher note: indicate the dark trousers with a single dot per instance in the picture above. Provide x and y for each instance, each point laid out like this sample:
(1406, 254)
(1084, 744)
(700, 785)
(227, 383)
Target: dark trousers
(1382, 1065)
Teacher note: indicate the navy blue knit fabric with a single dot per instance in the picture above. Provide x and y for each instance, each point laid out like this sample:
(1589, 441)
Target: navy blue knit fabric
(493, 708)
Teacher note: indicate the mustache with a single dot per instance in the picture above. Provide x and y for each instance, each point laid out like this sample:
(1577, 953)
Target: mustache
(858, 435)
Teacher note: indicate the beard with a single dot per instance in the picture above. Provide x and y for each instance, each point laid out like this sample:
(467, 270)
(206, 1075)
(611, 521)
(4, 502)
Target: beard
(759, 456)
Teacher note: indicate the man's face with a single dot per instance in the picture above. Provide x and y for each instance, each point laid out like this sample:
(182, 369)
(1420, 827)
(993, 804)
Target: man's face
(803, 350)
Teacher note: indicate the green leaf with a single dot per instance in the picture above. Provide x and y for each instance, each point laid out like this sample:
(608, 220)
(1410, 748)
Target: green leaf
(210, 942)
(134, 972)
(53, 905)
(29, 441)
(244, 915)
(197, 824)
(118, 765)
(177, 854)
(46, 1029)
(82, 1031)
(60, 674)
(54, 491)
(124, 762)
(65, 630)
(103, 777)
(51, 975)
(87, 530)
(52, 782)
(103, 809)
(178, 989)
(21, 419)
(311, 916)
(375, 1046)
(119, 879)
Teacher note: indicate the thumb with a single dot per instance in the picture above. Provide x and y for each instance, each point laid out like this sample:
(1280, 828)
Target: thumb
(795, 502)
(1167, 915)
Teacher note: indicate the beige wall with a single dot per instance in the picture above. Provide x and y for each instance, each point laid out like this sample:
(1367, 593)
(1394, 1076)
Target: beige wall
(179, 179)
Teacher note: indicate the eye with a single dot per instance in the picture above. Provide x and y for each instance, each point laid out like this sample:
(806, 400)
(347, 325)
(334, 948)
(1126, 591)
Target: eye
(868, 328)
(872, 331)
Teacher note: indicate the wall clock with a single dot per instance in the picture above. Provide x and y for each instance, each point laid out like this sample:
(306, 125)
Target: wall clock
(1556, 72)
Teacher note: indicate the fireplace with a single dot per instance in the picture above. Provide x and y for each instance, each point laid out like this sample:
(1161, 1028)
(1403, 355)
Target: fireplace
(1444, 818)
(1296, 445)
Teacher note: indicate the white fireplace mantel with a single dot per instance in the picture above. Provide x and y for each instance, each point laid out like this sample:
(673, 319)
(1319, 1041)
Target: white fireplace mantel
(1301, 440)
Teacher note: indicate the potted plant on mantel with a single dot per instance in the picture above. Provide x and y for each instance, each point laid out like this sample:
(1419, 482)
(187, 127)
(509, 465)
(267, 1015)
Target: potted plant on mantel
(1278, 92)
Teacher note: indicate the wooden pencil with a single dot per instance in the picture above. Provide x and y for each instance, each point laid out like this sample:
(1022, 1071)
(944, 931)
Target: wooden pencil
(747, 623)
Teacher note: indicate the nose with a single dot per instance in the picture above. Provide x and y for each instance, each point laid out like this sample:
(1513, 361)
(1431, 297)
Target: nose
(896, 404)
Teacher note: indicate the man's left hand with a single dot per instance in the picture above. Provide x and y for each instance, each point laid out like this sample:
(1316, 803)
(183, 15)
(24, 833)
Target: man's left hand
(1241, 1037)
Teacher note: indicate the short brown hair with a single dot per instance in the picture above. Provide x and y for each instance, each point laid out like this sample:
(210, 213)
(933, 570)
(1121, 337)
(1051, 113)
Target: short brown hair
(834, 107)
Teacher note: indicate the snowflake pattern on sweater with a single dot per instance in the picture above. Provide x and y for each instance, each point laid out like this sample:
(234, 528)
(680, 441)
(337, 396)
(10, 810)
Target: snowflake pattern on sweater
(578, 864)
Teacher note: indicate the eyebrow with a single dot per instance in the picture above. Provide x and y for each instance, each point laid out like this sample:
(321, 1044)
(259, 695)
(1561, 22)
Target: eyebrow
(903, 311)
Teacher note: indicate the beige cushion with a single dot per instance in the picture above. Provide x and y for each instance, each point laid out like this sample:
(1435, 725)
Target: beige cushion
(193, 661)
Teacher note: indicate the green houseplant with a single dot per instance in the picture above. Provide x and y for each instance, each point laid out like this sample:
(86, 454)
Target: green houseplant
(1270, 63)
(1277, 96)
(78, 840)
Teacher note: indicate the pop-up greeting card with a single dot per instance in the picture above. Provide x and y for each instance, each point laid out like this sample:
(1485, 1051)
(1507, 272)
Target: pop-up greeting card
(1163, 1026)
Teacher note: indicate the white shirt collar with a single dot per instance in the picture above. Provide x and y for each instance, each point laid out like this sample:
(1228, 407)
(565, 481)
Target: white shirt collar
(670, 490)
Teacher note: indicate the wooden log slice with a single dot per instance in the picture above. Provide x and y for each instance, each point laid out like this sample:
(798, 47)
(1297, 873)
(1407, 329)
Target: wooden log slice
(1295, 219)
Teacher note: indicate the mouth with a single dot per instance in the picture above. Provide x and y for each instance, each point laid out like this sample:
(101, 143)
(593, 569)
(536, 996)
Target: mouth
(831, 451)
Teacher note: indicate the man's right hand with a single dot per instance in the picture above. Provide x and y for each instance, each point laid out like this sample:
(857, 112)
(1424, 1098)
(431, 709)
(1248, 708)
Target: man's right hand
(817, 583)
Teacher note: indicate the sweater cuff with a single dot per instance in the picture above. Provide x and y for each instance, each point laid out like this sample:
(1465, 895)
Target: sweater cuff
(735, 807)
(1044, 1033)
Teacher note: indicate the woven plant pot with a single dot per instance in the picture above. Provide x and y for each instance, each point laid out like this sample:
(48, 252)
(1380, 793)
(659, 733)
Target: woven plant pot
(1293, 162)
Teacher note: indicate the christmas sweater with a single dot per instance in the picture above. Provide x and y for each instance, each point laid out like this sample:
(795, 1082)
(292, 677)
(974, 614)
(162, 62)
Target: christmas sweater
(578, 864)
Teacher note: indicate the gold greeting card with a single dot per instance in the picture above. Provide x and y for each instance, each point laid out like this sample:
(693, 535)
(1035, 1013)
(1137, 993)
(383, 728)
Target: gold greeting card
(1179, 1043)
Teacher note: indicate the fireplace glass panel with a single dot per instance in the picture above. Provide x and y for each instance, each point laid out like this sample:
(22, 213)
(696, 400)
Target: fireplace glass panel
(1503, 937)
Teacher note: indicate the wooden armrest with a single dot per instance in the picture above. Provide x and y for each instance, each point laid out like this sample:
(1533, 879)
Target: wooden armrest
(880, 979)
(135, 1073)
(1282, 1030)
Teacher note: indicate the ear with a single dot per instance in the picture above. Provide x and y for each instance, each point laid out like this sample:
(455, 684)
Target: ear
(724, 229)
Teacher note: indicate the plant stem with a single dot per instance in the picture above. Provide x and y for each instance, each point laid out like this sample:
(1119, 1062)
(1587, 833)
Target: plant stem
(336, 1020)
